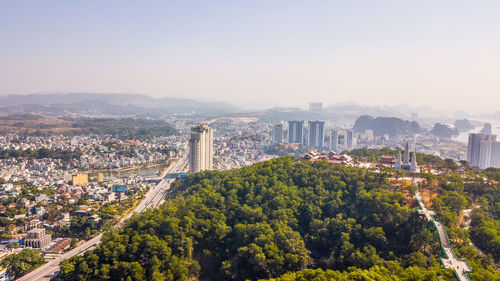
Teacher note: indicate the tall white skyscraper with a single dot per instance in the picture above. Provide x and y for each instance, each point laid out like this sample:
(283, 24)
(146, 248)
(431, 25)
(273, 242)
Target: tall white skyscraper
(316, 136)
(200, 148)
(495, 155)
(483, 151)
(278, 133)
(295, 131)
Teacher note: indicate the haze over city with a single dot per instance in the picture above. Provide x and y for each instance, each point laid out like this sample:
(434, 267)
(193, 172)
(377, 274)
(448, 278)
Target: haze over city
(249, 140)
(257, 53)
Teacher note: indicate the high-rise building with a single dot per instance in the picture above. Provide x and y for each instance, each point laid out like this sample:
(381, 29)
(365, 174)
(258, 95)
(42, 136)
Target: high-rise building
(278, 133)
(414, 116)
(349, 140)
(495, 155)
(316, 136)
(483, 151)
(341, 140)
(200, 148)
(485, 154)
(334, 140)
(295, 131)
(315, 106)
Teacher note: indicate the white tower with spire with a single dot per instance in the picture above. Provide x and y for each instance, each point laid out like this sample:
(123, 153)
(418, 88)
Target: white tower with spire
(406, 159)
(397, 167)
(413, 166)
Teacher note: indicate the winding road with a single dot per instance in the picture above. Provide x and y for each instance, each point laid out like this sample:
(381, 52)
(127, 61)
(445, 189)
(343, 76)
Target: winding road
(449, 260)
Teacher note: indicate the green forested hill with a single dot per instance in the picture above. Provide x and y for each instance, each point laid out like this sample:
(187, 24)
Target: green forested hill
(264, 221)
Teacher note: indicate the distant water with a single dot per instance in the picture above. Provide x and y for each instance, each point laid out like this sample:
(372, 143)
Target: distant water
(495, 129)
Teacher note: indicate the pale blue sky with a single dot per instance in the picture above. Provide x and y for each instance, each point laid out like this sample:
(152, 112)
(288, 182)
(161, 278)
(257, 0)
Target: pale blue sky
(441, 53)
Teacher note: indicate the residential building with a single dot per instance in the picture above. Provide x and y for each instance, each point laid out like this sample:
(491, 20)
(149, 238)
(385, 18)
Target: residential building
(316, 136)
(495, 155)
(315, 106)
(483, 151)
(295, 131)
(334, 140)
(37, 238)
(80, 179)
(201, 148)
(349, 140)
(278, 133)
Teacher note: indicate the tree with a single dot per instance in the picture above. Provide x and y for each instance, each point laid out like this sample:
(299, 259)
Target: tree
(271, 218)
(450, 164)
(22, 262)
(5, 221)
(464, 164)
(53, 214)
(74, 242)
(5, 236)
(13, 245)
(454, 201)
(400, 174)
(81, 201)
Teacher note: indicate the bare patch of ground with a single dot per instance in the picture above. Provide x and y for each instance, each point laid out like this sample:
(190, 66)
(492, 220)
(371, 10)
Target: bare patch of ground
(427, 195)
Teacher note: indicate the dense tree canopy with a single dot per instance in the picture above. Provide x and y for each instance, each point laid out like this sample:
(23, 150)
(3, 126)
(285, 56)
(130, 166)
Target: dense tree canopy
(477, 191)
(392, 271)
(265, 221)
(22, 262)
(124, 127)
(41, 154)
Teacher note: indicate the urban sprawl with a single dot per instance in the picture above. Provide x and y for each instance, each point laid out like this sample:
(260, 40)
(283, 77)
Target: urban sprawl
(58, 191)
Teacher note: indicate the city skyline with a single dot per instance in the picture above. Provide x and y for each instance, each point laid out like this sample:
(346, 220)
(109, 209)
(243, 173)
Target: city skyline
(249, 140)
(284, 53)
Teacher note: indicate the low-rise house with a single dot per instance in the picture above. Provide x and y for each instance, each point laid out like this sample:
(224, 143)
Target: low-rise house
(59, 245)
(41, 198)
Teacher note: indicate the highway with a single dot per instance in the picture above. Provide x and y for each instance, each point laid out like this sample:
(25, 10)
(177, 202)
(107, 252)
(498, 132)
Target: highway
(153, 198)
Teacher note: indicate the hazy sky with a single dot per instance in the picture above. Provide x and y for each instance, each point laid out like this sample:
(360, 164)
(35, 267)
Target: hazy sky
(441, 53)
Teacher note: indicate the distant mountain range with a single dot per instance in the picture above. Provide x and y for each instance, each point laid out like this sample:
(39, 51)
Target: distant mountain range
(106, 104)
(120, 104)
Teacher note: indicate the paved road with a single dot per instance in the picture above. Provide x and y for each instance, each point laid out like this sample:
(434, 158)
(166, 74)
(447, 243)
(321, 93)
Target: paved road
(450, 261)
(152, 199)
